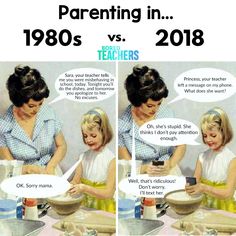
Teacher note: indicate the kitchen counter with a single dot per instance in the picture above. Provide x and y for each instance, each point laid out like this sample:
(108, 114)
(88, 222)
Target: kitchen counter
(48, 229)
(52, 217)
(226, 221)
(171, 217)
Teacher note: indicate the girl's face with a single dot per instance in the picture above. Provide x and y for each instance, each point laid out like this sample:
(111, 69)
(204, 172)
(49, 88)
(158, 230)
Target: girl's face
(150, 107)
(92, 138)
(31, 108)
(213, 138)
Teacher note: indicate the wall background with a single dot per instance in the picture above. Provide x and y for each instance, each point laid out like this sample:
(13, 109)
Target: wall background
(184, 109)
(68, 111)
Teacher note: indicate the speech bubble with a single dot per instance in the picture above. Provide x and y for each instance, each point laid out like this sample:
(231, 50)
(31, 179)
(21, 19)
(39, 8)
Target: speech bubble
(204, 85)
(35, 186)
(145, 186)
(169, 132)
(85, 85)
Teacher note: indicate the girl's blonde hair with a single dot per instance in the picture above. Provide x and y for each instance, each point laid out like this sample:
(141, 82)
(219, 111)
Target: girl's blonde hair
(96, 117)
(216, 117)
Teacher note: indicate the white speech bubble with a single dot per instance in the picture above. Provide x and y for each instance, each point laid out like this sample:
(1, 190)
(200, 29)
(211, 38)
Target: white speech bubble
(145, 186)
(35, 186)
(169, 132)
(204, 85)
(85, 85)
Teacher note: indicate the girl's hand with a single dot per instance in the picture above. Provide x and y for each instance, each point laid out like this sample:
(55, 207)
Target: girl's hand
(194, 189)
(77, 188)
(159, 170)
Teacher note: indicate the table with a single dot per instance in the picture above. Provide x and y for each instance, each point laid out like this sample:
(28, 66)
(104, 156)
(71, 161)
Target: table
(171, 217)
(52, 217)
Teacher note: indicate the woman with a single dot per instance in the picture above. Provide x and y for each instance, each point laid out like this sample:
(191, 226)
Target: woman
(146, 92)
(29, 130)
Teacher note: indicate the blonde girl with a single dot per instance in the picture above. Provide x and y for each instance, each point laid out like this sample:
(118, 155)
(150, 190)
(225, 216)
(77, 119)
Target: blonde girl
(95, 176)
(216, 167)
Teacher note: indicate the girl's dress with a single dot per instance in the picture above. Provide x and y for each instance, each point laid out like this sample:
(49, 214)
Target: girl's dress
(95, 169)
(214, 173)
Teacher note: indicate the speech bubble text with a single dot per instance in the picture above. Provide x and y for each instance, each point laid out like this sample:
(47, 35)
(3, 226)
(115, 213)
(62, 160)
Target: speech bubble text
(145, 186)
(205, 85)
(85, 85)
(169, 132)
(35, 186)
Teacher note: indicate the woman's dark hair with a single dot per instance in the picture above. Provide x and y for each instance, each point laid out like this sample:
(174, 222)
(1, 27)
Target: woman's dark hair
(25, 84)
(145, 83)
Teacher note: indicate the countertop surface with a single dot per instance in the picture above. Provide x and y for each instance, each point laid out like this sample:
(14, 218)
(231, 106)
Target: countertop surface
(169, 218)
(52, 217)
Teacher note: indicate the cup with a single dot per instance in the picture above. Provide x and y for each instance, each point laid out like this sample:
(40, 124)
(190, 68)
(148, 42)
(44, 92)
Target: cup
(138, 167)
(124, 171)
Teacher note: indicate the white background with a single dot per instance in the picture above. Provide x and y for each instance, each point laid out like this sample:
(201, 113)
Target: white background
(215, 18)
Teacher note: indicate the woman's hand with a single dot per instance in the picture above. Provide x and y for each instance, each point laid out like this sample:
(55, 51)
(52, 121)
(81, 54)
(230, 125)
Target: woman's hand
(33, 169)
(194, 189)
(77, 189)
(159, 170)
(50, 170)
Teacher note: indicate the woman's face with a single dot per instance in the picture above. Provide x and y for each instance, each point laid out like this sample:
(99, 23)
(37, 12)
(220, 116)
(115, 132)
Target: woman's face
(213, 138)
(150, 107)
(93, 138)
(31, 108)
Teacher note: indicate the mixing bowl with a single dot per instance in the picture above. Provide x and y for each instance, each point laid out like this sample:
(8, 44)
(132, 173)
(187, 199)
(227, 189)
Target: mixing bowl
(182, 203)
(65, 204)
